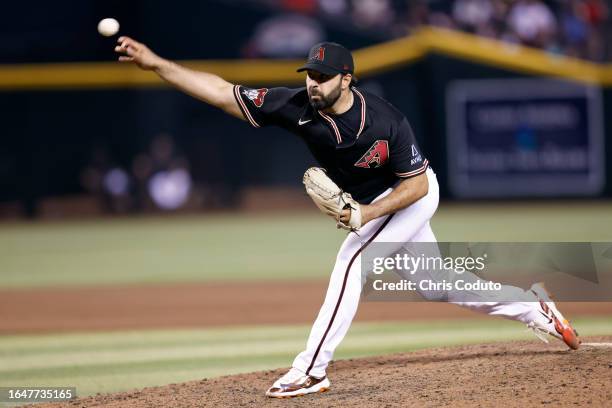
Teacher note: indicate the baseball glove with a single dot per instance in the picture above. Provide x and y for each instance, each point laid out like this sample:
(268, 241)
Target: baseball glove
(330, 198)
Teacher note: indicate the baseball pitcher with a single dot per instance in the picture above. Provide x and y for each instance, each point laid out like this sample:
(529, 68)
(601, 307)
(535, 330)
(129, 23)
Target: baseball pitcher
(373, 180)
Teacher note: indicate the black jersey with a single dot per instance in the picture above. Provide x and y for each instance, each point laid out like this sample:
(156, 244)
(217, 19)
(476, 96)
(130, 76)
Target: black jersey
(365, 150)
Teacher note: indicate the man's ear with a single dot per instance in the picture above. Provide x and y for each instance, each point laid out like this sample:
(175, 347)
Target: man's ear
(346, 81)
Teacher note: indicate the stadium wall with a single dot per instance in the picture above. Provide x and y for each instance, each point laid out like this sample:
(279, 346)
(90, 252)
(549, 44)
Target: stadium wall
(54, 114)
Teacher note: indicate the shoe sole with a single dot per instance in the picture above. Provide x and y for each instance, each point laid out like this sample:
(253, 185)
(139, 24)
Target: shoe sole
(298, 395)
(568, 334)
(324, 386)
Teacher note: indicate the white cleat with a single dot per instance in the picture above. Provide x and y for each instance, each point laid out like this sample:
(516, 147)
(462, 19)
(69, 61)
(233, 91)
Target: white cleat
(295, 383)
(551, 321)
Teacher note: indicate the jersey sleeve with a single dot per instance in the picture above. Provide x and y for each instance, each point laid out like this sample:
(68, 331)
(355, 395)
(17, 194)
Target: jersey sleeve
(262, 107)
(406, 158)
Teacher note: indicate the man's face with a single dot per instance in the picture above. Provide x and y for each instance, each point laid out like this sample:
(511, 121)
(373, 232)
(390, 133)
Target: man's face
(323, 90)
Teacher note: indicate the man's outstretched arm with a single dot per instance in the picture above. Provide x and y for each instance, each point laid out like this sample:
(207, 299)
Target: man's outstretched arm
(206, 87)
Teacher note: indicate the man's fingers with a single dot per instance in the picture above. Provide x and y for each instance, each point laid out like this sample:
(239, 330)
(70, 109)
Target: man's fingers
(127, 42)
(133, 45)
(346, 215)
(126, 51)
(125, 59)
(124, 41)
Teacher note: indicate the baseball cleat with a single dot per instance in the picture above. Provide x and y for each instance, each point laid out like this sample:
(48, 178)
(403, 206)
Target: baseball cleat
(295, 383)
(551, 321)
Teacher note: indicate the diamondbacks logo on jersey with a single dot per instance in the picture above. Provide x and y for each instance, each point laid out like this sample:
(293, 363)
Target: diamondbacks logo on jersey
(376, 156)
(256, 95)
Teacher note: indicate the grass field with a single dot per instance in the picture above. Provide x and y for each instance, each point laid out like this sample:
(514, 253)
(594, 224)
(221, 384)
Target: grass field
(108, 362)
(239, 247)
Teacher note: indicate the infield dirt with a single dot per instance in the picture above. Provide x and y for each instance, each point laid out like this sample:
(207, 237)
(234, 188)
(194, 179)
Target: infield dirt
(206, 305)
(513, 374)
(502, 374)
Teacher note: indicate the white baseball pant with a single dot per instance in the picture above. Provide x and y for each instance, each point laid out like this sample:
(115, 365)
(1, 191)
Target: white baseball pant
(410, 224)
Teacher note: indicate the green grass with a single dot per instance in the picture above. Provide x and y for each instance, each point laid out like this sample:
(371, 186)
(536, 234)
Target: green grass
(157, 250)
(109, 362)
(239, 247)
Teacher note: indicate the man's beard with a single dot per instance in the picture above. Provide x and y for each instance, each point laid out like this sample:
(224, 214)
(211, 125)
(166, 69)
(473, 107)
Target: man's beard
(325, 102)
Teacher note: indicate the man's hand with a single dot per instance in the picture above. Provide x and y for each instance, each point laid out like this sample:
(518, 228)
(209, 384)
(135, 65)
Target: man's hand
(330, 198)
(406, 193)
(140, 54)
(366, 215)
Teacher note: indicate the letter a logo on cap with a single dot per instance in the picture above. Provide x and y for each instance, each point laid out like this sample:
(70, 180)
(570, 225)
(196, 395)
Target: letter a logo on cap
(319, 54)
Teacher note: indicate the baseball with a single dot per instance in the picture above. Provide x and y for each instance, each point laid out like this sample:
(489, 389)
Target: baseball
(108, 27)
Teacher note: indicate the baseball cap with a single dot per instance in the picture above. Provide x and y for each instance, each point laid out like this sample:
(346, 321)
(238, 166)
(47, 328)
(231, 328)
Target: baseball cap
(330, 59)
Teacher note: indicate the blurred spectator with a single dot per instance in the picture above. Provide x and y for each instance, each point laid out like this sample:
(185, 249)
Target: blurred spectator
(107, 181)
(473, 15)
(170, 188)
(159, 179)
(302, 6)
(372, 13)
(573, 27)
(162, 176)
(596, 14)
(333, 7)
(170, 184)
(418, 14)
(284, 36)
(533, 22)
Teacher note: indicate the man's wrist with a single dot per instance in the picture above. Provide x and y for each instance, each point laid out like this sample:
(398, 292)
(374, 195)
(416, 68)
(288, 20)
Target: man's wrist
(162, 66)
(368, 213)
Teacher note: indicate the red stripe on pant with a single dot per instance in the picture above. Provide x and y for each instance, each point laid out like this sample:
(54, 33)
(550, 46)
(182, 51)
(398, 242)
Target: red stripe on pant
(348, 268)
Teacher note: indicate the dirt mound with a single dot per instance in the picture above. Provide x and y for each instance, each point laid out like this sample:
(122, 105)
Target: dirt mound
(500, 374)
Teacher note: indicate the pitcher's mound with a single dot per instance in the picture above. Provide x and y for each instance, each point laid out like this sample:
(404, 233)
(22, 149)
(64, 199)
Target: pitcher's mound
(499, 374)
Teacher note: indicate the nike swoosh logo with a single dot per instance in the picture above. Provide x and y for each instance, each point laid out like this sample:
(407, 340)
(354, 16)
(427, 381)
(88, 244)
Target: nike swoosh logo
(303, 122)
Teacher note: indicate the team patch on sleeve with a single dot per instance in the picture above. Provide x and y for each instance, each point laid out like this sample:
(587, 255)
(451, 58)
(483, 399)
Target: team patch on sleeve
(256, 96)
(416, 156)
